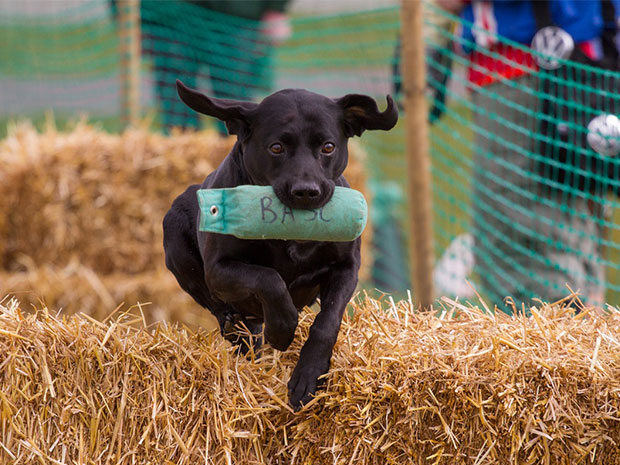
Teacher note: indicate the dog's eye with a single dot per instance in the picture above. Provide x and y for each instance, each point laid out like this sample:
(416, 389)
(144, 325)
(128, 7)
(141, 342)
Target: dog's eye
(276, 149)
(328, 147)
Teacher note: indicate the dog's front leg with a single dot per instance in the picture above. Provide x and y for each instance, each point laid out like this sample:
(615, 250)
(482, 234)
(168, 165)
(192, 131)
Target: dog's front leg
(232, 281)
(316, 353)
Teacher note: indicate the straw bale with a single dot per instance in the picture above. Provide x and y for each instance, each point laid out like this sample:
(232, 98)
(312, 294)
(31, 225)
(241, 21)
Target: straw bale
(97, 200)
(461, 387)
(93, 195)
(77, 288)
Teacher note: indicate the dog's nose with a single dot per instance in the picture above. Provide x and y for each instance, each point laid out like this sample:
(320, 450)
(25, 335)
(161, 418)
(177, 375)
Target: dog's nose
(305, 192)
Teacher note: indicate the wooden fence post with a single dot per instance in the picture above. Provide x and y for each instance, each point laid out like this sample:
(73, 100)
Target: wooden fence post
(131, 51)
(422, 251)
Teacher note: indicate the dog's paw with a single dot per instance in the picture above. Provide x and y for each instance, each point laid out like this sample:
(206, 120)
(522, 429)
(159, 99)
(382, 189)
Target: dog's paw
(279, 339)
(281, 332)
(244, 335)
(304, 382)
(249, 346)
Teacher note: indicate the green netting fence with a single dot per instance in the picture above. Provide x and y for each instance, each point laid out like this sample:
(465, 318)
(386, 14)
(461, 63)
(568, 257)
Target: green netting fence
(524, 194)
(516, 171)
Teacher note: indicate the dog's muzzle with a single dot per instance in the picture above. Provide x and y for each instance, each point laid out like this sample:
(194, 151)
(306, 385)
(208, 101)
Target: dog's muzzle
(308, 195)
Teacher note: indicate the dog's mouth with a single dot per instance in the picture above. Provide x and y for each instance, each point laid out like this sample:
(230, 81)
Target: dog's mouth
(305, 199)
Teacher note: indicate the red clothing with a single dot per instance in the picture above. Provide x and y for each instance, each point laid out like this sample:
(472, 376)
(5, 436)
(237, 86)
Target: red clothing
(486, 22)
(485, 68)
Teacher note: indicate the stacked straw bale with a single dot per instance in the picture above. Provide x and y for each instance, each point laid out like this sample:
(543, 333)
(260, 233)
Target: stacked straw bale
(81, 214)
(464, 387)
(93, 195)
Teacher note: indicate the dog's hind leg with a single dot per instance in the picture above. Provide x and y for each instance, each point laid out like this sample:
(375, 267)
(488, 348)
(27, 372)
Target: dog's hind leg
(243, 333)
(184, 261)
(183, 257)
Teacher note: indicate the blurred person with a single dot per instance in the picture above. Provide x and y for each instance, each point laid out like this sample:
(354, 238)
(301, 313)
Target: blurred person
(437, 39)
(528, 241)
(233, 39)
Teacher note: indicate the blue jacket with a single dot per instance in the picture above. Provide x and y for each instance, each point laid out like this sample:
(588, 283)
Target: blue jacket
(514, 19)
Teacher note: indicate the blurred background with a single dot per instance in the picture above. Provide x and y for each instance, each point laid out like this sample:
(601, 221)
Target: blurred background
(95, 145)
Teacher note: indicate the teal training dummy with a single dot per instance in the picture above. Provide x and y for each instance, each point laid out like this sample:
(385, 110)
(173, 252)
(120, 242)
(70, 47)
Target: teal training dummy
(254, 212)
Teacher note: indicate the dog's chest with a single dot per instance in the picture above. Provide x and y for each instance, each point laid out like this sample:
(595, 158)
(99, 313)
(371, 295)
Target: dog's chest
(293, 259)
(302, 252)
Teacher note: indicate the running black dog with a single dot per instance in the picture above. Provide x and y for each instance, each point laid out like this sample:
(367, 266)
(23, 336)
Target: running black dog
(296, 142)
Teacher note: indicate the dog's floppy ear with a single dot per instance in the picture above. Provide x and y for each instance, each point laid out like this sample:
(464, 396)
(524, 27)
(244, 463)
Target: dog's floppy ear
(361, 113)
(234, 113)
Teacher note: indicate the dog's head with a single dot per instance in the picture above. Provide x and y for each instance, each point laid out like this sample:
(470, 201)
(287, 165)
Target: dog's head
(295, 140)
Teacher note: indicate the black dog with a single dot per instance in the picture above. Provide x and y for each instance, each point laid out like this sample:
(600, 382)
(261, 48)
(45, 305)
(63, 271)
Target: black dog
(296, 142)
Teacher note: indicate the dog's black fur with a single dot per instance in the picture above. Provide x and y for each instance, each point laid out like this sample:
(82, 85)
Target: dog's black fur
(283, 142)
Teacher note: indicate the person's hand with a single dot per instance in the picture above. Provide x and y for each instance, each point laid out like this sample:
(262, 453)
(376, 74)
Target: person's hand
(452, 6)
(276, 26)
